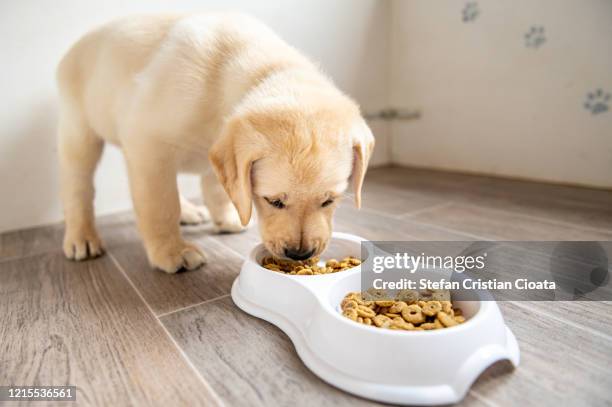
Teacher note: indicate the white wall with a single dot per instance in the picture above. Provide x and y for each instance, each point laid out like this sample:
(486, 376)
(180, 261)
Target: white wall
(348, 38)
(490, 103)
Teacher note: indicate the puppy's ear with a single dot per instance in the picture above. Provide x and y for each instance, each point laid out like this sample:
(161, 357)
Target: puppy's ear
(363, 145)
(232, 158)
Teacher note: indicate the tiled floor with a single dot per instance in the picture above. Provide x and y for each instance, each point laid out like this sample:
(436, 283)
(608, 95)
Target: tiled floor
(126, 334)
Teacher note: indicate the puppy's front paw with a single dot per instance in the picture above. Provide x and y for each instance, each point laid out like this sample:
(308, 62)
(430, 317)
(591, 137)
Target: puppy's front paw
(172, 258)
(194, 214)
(229, 223)
(82, 244)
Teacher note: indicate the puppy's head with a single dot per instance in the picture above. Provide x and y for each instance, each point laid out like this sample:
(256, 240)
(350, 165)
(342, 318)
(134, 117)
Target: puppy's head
(294, 167)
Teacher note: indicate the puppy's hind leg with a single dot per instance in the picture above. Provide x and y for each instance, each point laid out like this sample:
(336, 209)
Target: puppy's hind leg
(222, 210)
(79, 152)
(192, 214)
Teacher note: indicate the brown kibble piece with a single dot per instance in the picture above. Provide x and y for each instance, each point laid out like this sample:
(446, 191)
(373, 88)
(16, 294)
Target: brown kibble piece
(399, 322)
(384, 303)
(397, 307)
(413, 314)
(407, 296)
(351, 314)
(446, 319)
(364, 311)
(379, 320)
(348, 303)
(431, 308)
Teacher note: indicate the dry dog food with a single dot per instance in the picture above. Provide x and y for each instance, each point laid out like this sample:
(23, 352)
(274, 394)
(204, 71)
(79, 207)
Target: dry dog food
(409, 311)
(309, 267)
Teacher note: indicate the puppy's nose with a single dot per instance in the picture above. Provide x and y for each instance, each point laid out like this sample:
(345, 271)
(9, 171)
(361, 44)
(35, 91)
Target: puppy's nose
(298, 254)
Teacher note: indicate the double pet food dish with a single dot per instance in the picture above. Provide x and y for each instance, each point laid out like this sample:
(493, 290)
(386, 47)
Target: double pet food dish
(386, 365)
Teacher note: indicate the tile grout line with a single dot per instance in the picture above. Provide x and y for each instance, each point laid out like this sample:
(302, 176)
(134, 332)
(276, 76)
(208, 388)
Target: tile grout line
(408, 215)
(443, 228)
(198, 374)
(541, 219)
(451, 230)
(231, 249)
(165, 314)
(380, 213)
(40, 253)
(565, 321)
(483, 399)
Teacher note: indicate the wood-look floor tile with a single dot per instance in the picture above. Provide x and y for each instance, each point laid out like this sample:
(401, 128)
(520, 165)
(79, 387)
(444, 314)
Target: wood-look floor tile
(376, 226)
(560, 365)
(68, 323)
(395, 201)
(241, 243)
(575, 205)
(27, 242)
(248, 361)
(501, 225)
(168, 292)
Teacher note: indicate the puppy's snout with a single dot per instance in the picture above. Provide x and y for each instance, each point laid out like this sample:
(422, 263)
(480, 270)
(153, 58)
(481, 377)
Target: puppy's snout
(298, 253)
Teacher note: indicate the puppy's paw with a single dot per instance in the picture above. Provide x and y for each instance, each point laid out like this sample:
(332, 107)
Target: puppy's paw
(194, 214)
(82, 244)
(229, 223)
(172, 258)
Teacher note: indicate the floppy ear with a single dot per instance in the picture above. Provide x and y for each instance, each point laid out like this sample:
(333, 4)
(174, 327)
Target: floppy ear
(232, 158)
(363, 145)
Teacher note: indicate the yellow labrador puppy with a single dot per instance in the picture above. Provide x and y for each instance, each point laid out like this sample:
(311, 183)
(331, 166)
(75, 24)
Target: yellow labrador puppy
(217, 95)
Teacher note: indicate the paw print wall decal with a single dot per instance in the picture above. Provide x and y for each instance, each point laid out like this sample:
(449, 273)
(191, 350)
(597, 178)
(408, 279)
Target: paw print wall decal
(470, 11)
(535, 37)
(597, 101)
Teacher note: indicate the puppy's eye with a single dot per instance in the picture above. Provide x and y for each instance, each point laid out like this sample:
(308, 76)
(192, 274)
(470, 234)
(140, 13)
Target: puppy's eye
(277, 203)
(327, 203)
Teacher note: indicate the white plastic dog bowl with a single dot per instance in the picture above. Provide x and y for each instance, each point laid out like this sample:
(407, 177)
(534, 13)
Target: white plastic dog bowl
(403, 367)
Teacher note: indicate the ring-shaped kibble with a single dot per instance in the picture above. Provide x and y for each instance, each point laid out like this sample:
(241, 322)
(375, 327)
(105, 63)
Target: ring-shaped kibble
(447, 306)
(380, 320)
(397, 307)
(399, 323)
(431, 308)
(384, 303)
(348, 303)
(446, 319)
(365, 312)
(351, 314)
(413, 314)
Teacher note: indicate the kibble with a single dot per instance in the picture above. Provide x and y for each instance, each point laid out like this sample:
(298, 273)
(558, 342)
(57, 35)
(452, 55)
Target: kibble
(408, 311)
(309, 267)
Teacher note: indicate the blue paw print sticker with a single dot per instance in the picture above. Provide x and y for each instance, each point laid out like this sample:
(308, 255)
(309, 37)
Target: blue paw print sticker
(470, 11)
(597, 101)
(535, 37)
